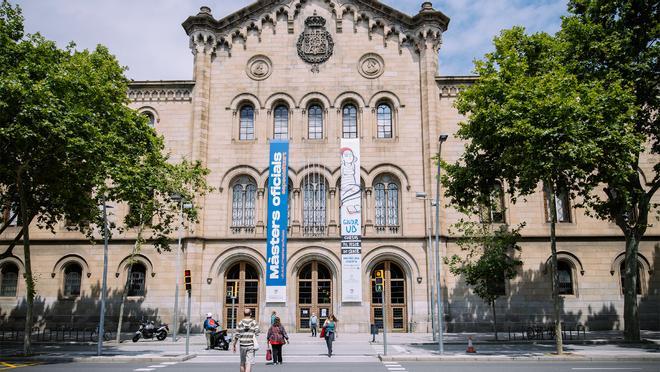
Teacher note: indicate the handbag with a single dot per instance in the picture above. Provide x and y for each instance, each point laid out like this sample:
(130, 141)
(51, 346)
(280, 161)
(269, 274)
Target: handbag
(322, 332)
(256, 344)
(269, 355)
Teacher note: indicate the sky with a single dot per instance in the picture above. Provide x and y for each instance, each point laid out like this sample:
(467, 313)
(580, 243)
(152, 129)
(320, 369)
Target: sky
(147, 37)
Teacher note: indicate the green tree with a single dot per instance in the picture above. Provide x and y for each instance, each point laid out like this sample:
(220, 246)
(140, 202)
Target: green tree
(530, 122)
(152, 190)
(607, 41)
(488, 259)
(65, 130)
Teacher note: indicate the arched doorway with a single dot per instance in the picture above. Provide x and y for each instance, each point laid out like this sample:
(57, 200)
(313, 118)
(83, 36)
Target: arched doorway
(242, 278)
(314, 284)
(396, 303)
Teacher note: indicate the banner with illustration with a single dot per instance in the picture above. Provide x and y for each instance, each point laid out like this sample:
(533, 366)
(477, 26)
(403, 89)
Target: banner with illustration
(351, 221)
(277, 221)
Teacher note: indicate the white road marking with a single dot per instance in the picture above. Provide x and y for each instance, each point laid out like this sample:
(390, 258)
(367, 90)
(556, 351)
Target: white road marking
(157, 366)
(144, 369)
(169, 363)
(608, 368)
(396, 368)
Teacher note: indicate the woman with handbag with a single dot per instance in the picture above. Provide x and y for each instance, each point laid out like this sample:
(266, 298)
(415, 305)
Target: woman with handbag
(277, 337)
(328, 332)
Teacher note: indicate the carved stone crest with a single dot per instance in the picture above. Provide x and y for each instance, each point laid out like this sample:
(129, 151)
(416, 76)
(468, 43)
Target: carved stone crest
(315, 44)
(259, 67)
(371, 65)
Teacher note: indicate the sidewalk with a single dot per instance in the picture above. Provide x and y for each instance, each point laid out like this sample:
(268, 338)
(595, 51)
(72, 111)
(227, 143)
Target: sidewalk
(601, 346)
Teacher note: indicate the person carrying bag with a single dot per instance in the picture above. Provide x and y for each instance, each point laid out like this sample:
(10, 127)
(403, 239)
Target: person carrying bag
(328, 332)
(277, 337)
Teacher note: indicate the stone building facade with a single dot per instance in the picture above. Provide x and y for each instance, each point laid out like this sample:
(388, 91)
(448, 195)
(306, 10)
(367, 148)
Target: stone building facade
(373, 75)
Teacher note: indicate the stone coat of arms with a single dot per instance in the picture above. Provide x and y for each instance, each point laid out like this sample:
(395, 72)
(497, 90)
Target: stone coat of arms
(315, 44)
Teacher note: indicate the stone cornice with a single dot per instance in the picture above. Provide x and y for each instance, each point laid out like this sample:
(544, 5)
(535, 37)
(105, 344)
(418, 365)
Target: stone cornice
(160, 90)
(251, 13)
(450, 86)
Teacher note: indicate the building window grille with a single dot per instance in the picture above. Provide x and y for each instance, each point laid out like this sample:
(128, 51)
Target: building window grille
(314, 205)
(244, 195)
(349, 122)
(384, 118)
(281, 129)
(246, 125)
(8, 280)
(315, 122)
(72, 280)
(562, 204)
(565, 284)
(387, 205)
(137, 280)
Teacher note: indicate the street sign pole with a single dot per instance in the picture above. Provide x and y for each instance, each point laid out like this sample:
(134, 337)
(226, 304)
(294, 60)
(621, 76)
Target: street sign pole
(384, 322)
(188, 326)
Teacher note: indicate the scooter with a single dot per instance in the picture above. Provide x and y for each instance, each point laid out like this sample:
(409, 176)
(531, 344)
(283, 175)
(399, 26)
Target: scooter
(148, 330)
(220, 339)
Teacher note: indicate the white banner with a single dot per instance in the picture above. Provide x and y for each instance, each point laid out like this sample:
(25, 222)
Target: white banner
(351, 221)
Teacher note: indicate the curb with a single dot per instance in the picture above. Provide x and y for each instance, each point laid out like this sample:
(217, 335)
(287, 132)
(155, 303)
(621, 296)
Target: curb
(535, 342)
(102, 359)
(544, 358)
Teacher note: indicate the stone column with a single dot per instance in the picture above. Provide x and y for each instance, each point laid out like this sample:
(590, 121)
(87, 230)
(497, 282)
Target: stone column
(295, 211)
(368, 211)
(334, 210)
(260, 211)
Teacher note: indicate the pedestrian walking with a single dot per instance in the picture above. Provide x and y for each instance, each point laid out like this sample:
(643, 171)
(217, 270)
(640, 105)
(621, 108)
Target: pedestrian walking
(246, 335)
(272, 317)
(210, 327)
(313, 323)
(277, 337)
(329, 332)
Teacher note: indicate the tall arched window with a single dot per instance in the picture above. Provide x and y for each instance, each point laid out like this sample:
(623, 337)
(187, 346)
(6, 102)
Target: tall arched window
(562, 204)
(244, 195)
(565, 271)
(150, 116)
(315, 122)
(137, 279)
(349, 122)
(384, 120)
(10, 213)
(246, 125)
(386, 192)
(314, 189)
(72, 279)
(281, 124)
(8, 280)
(494, 211)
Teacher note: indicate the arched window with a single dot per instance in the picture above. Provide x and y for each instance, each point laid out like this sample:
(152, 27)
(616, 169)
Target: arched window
(72, 279)
(494, 211)
(386, 192)
(384, 120)
(150, 116)
(349, 122)
(244, 195)
(314, 189)
(622, 275)
(246, 125)
(562, 204)
(565, 284)
(281, 125)
(315, 122)
(137, 279)
(8, 280)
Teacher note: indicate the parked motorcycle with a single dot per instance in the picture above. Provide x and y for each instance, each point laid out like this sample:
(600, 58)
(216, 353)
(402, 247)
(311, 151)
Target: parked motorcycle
(220, 339)
(148, 330)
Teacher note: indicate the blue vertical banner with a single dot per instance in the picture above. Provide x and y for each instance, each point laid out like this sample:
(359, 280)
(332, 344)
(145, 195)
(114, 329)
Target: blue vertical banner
(278, 198)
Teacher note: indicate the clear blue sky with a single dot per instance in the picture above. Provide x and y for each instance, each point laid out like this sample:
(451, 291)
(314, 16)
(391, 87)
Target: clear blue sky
(146, 35)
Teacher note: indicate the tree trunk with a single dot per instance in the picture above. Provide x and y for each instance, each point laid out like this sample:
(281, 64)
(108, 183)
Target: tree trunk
(29, 280)
(492, 306)
(630, 308)
(555, 273)
(136, 250)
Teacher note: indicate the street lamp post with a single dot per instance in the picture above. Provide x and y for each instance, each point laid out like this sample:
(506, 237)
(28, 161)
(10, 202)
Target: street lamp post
(431, 269)
(104, 285)
(175, 320)
(441, 346)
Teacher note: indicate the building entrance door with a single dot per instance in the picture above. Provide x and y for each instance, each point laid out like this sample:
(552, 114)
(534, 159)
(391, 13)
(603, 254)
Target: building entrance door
(394, 284)
(242, 280)
(314, 285)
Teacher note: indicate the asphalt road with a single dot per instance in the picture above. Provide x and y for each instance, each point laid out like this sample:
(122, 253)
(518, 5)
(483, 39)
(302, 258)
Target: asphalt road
(344, 366)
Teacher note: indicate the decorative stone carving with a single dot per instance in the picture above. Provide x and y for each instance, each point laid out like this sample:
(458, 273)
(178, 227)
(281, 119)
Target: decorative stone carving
(371, 65)
(259, 67)
(315, 44)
